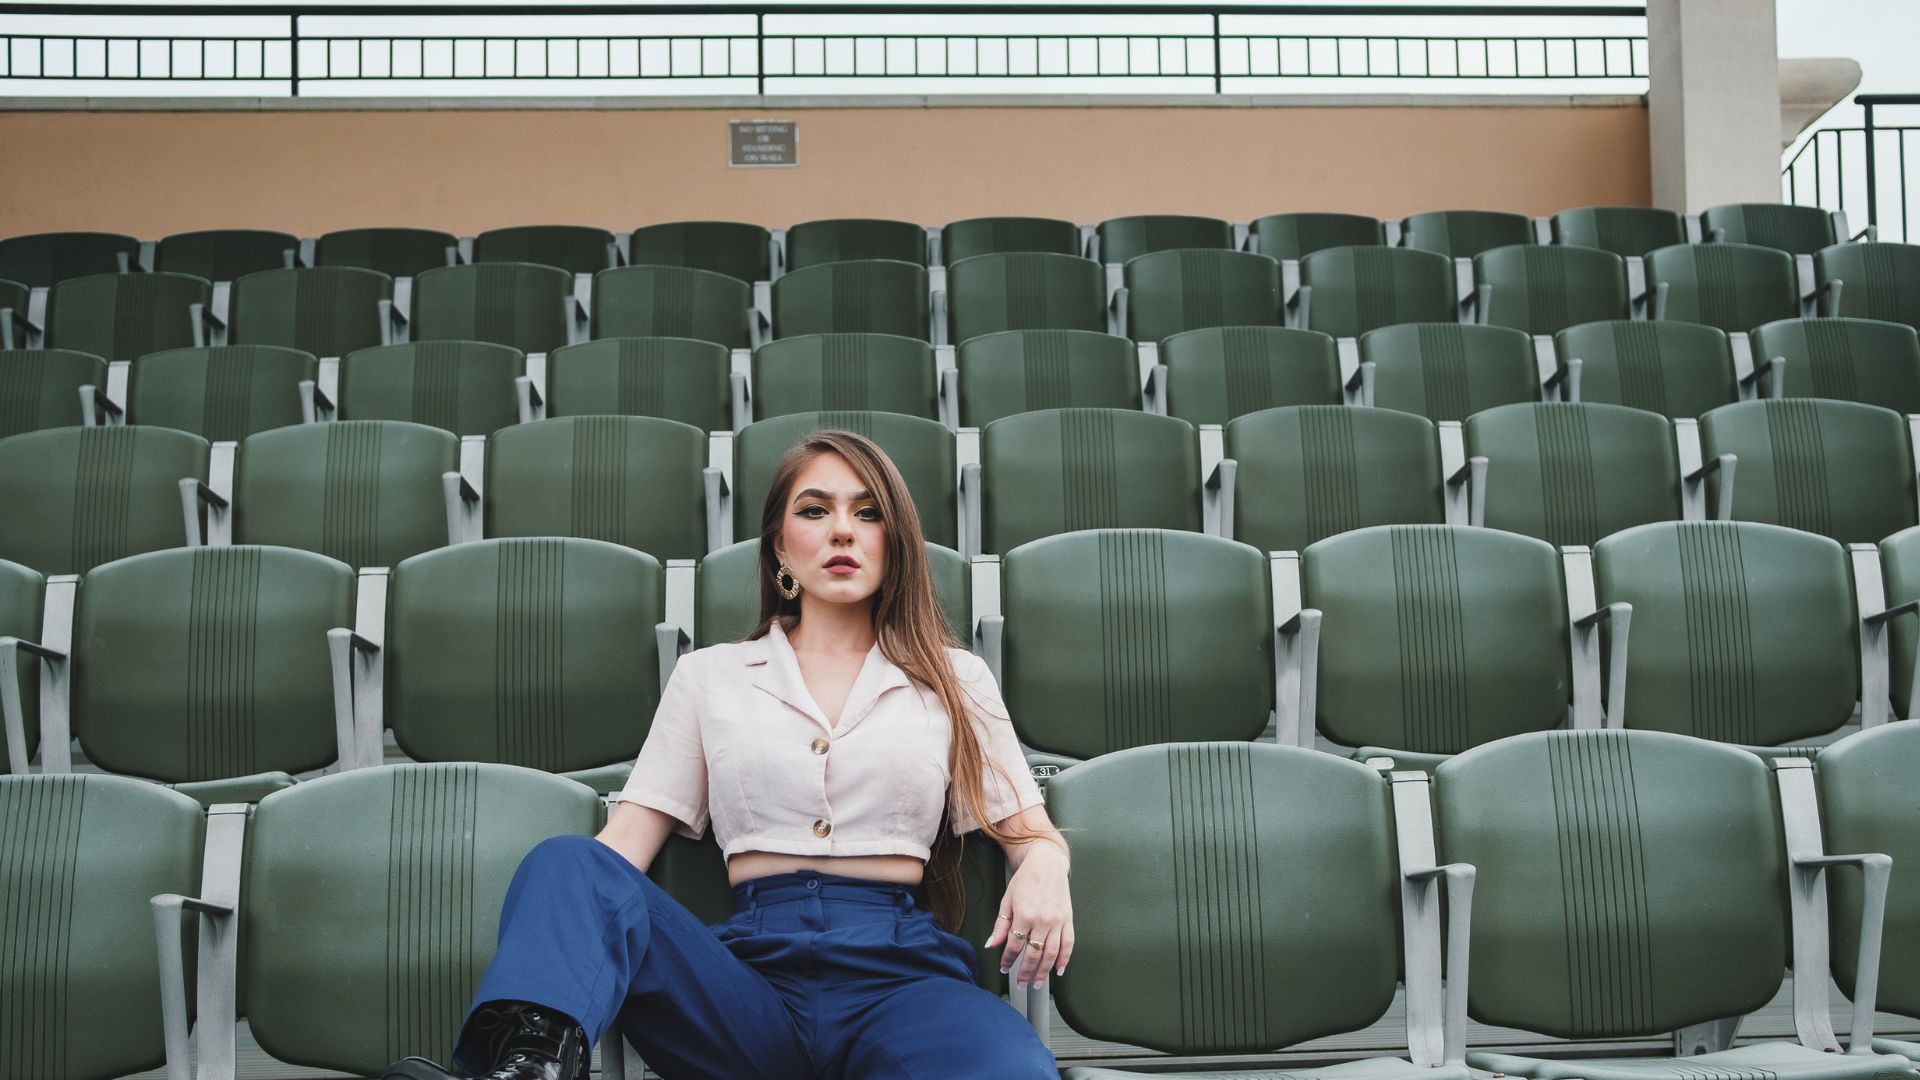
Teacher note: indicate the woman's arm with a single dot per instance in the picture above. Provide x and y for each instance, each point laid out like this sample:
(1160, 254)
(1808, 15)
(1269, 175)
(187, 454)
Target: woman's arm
(1037, 903)
(636, 832)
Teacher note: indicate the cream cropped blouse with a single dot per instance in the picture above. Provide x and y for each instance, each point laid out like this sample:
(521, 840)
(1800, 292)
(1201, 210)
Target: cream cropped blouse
(738, 737)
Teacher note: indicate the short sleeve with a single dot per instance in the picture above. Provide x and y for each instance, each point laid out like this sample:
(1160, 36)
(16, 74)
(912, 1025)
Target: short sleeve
(994, 727)
(670, 774)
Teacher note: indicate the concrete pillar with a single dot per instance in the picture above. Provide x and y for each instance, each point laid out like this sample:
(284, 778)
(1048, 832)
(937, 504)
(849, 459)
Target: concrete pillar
(1714, 103)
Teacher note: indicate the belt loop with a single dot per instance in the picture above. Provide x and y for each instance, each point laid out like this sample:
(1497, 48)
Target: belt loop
(753, 895)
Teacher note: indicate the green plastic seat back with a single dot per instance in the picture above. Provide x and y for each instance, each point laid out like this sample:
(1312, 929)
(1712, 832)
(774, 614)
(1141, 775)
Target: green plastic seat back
(632, 480)
(370, 904)
(1232, 898)
(523, 305)
(537, 652)
(1544, 290)
(327, 311)
(465, 387)
(577, 249)
(673, 378)
(1866, 805)
(365, 492)
(121, 316)
(1356, 289)
(1676, 369)
(1017, 370)
(1837, 468)
(223, 393)
(1881, 281)
(1735, 287)
(1742, 633)
(1192, 289)
(923, 450)
(22, 591)
(671, 301)
(1025, 291)
(1061, 470)
(727, 592)
(1127, 637)
(1216, 374)
(1449, 371)
(225, 254)
(1311, 471)
(43, 259)
(1796, 230)
(881, 372)
(1572, 473)
(394, 252)
(814, 243)
(208, 663)
(1900, 567)
(1623, 230)
(1437, 638)
(1594, 850)
(867, 296)
(1296, 236)
(1003, 235)
(1864, 360)
(1122, 239)
(1462, 234)
(40, 388)
(726, 247)
(84, 853)
(95, 494)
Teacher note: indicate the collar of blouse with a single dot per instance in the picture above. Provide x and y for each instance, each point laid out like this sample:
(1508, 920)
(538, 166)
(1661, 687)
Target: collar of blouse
(774, 668)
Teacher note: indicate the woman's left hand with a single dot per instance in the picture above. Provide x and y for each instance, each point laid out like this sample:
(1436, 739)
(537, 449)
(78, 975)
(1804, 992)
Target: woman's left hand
(1035, 923)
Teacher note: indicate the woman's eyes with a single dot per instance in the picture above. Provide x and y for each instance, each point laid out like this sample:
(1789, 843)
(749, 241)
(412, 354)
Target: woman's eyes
(816, 511)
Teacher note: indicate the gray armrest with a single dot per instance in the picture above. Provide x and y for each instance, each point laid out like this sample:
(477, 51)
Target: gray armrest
(714, 484)
(742, 400)
(1299, 306)
(1660, 292)
(169, 940)
(993, 630)
(1458, 879)
(1482, 300)
(1360, 383)
(1876, 871)
(1566, 376)
(672, 643)
(950, 398)
(1473, 476)
(941, 332)
(9, 318)
(93, 402)
(1619, 619)
(1154, 398)
(13, 709)
(1768, 379)
(1117, 308)
(193, 492)
(218, 963)
(354, 692)
(1297, 654)
(1881, 619)
(1436, 1007)
(204, 322)
(1830, 296)
(970, 509)
(1723, 464)
(1221, 486)
(461, 497)
(393, 323)
(530, 402)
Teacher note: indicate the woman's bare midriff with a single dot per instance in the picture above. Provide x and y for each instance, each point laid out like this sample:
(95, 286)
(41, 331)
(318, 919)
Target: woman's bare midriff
(899, 869)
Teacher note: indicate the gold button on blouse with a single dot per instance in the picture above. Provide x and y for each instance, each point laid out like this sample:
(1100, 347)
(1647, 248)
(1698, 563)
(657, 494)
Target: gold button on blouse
(819, 746)
(822, 828)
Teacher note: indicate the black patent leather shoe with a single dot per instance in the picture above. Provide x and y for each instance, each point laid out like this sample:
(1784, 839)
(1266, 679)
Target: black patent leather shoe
(522, 1040)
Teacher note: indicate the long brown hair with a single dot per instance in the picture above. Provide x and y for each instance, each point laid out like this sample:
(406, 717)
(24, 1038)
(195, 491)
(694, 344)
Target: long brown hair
(908, 625)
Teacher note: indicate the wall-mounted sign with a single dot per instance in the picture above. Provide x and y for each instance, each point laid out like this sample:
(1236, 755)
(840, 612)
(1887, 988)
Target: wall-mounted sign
(763, 143)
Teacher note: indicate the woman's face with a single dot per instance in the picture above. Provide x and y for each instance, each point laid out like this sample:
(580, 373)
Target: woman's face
(831, 535)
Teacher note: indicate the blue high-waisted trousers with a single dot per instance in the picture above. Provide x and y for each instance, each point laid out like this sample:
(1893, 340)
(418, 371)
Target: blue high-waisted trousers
(815, 976)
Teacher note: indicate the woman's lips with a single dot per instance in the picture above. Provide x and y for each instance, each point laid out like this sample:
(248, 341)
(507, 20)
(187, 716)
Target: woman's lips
(843, 569)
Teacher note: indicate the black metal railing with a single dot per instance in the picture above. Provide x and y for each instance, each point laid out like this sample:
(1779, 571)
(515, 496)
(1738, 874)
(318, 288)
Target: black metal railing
(1860, 170)
(272, 50)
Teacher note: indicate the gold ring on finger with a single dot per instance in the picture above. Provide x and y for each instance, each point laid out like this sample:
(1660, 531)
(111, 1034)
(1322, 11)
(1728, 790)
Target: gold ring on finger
(1018, 935)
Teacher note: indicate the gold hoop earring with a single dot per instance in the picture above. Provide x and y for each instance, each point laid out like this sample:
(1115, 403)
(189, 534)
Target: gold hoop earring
(784, 580)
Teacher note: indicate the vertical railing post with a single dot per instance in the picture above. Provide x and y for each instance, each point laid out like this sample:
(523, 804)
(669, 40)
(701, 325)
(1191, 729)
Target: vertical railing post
(1873, 201)
(293, 51)
(1216, 53)
(760, 41)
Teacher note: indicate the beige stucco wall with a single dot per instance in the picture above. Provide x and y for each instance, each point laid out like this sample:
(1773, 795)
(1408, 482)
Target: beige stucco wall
(149, 173)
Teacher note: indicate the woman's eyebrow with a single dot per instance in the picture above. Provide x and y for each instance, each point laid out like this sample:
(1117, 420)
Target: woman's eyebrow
(816, 493)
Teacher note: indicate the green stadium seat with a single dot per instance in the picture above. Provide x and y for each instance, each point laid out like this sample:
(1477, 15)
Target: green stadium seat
(393, 252)
(1307, 472)
(815, 243)
(327, 311)
(40, 388)
(867, 296)
(364, 492)
(1593, 848)
(737, 250)
(630, 480)
(1900, 566)
(81, 978)
(577, 249)
(16, 305)
(1463, 234)
(1120, 240)
(1627, 231)
(1347, 291)
(1061, 470)
(1007, 235)
(727, 588)
(859, 372)
(1296, 236)
(1864, 360)
(672, 301)
(1166, 292)
(466, 387)
(1836, 468)
(22, 591)
(527, 306)
(1545, 289)
(79, 497)
(1677, 369)
(923, 450)
(225, 254)
(1870, 281)
(42, 260)
(987, 294)
(221, 394)
(672, 378)
(121, 316)
(1796, 230)
(1212, 376)
(1571, 473)
(1016, 371)
(1237, 899)
(1447, 371)
(1732, 286)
